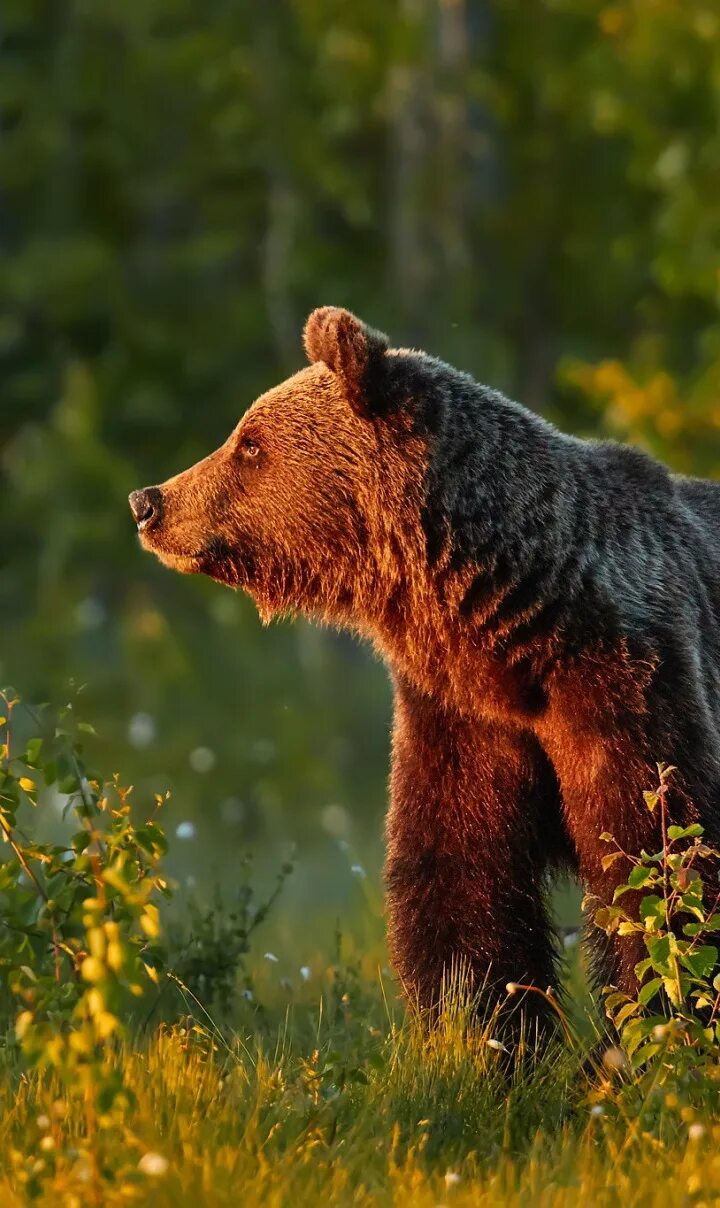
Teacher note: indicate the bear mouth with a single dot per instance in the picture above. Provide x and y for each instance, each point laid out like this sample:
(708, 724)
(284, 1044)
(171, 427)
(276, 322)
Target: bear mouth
(186, 563)
(206, 561)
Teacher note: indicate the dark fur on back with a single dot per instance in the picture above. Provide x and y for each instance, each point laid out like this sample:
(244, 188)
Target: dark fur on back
(572, 539)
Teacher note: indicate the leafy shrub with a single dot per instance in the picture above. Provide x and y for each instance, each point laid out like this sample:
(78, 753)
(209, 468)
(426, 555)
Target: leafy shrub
(670, 1029)
(81, 950)
(80, 934)
(208, 955)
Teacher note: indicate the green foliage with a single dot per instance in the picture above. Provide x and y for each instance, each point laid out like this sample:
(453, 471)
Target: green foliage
(669, 1030)
(80, 925)
(208, 953)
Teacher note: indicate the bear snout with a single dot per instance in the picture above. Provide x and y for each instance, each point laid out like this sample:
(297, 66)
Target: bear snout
(146, 507)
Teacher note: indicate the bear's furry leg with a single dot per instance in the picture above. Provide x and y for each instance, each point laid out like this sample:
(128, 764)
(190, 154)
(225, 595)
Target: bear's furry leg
(473, 827)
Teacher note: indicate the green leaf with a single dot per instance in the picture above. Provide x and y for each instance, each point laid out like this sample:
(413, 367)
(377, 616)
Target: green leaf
(614, 999)
(606, 918)
(685, 832)
(625, 1013)
(649, 990)
(637, 1030)
(652, 906)
(68, 784)
(692, 904)
(674, 992)
(32, 751)
(701, 961)
(640, 875)
(658, 947)
(151, 838)
(645, 1054)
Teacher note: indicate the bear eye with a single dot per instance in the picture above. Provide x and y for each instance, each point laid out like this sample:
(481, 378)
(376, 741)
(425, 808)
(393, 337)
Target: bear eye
(249, 448)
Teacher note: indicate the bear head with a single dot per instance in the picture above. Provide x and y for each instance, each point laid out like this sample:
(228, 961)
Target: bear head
(313, 502)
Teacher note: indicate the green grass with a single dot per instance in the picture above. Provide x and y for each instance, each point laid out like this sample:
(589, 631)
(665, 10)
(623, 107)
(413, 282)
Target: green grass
(330, 1093)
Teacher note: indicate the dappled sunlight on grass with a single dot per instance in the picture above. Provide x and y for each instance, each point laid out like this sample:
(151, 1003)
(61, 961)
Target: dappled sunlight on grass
(347, 1099)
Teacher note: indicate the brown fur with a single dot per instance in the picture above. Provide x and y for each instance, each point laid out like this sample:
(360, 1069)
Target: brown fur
(515, 745)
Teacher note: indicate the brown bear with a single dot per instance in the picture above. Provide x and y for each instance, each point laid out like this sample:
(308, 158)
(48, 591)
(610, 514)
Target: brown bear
(549, 609)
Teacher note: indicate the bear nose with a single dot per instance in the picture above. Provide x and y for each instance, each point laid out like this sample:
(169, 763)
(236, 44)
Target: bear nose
(146, 506)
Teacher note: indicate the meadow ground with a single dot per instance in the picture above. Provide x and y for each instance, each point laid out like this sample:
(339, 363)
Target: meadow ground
(325, 1091)
(161, 1049)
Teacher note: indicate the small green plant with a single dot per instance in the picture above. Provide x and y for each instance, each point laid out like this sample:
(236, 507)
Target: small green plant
(79, 919)
(671, 1028)
(208, 955)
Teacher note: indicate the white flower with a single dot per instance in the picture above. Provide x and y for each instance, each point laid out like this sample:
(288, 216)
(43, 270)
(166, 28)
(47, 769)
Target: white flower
(270, 956)
(43, 1122)
(660, 1031)
(305, 972)
(358, 871)
(497, 1045)
(153, 1164)
(186, 830)
(597, 1110)
(696, 1132)
(452, 1178)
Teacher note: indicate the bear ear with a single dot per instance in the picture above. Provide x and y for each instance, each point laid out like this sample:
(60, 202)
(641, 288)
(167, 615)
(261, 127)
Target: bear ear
(354, 352)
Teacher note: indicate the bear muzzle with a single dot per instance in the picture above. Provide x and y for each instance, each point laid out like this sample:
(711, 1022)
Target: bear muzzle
(146, 507)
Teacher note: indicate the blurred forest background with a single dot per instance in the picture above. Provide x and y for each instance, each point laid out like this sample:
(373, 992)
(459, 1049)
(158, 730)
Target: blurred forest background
(529, 188)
